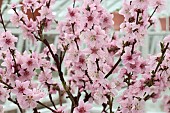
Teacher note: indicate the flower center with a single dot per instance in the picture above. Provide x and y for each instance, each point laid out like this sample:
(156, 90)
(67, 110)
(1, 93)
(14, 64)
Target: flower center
(90, 18)
(8, 41)
(82, 110)
(21, 89)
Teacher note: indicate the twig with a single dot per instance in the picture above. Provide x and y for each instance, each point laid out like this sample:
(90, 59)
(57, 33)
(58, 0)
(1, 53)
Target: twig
(117, 63)
(16, 102)
(74, 3)
(47, 107)
(86, 73)
(114, 67)
(50, 96)
(60, 73)
(35, 110)
(133, 46)
(137, 17)
(153, 12)
(10, 87)
(2, 21)
(97, 63)
(161, 59)
(60, 97)
(51, 99)
(111, 104)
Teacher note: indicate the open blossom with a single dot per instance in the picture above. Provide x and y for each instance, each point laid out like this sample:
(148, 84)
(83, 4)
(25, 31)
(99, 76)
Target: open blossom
(73, 14)
(45, 76)
(26, 74)
(29, 63)
(160, 4)
(15, 19)
(27, 4)
(46, 13)
(83, 108)
(7, 40)
(29, 99)
(62, 109)
(128, 57)
(3, 93)
(21, 87)
(90, 18)
(99, 65)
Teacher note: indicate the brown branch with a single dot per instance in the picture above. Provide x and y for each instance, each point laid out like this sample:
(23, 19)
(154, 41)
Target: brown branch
(114, 67)
(47, 107)
(35, 110)
(117, 63)
(51, 99)
(86, 73)
(161, 59)
(153, 12)
(60, 73)
(10, 87)
(2, 21)
(74, 3)
(16, 102)
(133, 46)
(97, 64)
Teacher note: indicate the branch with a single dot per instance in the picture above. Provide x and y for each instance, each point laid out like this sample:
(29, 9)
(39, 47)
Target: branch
(153, 12)
(2, 21)
(133, 46)
(60, 72)
(47, 107)
(161, 59)
(119, 60)
(117, 63)
(35, 110)
(16, 102)
(74, 3)
(10, 87)
(114, 67)
(51, 99)
(97, 63)
(86, 73)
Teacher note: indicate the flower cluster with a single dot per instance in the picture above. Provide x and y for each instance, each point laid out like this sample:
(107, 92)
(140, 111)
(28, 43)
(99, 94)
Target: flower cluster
(99, 65)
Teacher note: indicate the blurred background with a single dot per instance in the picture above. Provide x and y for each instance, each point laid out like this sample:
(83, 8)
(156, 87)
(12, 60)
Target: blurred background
(155, 34)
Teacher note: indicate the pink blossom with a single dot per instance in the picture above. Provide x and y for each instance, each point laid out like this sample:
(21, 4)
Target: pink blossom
(160, 3)
(21, 87)
(29, 63)
(73, 14)
(15, 19)
(7, 40)
(83, 108)
(3, 93)
(46, 13)
(45, 76)
(29, 99)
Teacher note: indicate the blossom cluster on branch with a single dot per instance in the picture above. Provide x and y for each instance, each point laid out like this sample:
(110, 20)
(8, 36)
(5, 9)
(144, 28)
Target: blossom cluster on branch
(99, 64)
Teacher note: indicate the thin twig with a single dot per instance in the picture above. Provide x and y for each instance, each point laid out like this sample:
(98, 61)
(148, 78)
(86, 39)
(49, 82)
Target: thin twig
(51, 99)
(153, 12)
(16, 102)
(74, 3)
(47, 107)
(2, 21)
(161, 59)
(10, 87)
